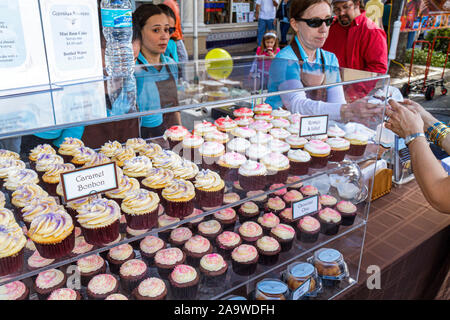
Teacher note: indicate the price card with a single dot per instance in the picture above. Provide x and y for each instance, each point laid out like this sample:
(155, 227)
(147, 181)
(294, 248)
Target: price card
(313, 125)
(89, 181)
(304, 207)
(302, 290)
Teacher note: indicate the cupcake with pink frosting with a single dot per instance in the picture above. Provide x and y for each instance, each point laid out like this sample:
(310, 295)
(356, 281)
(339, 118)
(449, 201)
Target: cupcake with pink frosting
(268, 221)
(348, 212)
(195, 248)
(284, 234)
(184, 281)
(204, 127)
(214, 269)
(226, 242)
(243, 112)
(330, 220)
(252, 175)
(244, 259)
(150, 289)
(278, 167)
(119, 255)
(291, 197)
(175, 135)
(268, 249)
(309, 190)
(308, 229)
(275, 205)
(244, 121)
(225, 124)
(262, 108)
(101, 286)
(228, 165)
(132, 273)
(89, 267)
(250, 232)
(339, 148)
(149, 246)
(167, 259)
(319, 152)
(179, 236)
(261, 126)
(263, 117)
(227, 218)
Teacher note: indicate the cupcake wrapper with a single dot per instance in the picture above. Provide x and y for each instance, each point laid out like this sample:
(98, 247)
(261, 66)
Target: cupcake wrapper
(337, 155)
(142, 221)
(279, 176)
(225, 253)
(210, 163)
(318, 162)
(66, 158)
(50, 188)
(356, 150)
(286, 245)
(299, 168)
(174, 143)
(86, 278)
(252, 183)
(229, 226)
(209, 198)
(268, 260)
(103, 235)
(228, 174)
(164, 272)
(179, 209)
(186, 293)
(73, 213)
(244, 269)
(348, 220)
(307, 237)
(57, 250)
(329, 229)
(243, 218)
(128, 285)
(11, 264)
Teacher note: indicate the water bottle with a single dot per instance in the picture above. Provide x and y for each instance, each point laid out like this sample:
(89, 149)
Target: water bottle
(118, 31)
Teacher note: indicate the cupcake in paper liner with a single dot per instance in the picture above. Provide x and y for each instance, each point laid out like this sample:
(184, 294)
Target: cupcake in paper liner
(209, 189)
(141, 209)
(179, 198)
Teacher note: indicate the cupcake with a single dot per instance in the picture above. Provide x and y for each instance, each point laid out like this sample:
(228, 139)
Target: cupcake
(358, 143)
(44, 161)
(89, 267)
(137, 167)
(167, 159)
(179, 198)
(141, 209)
(243, 112)
(138, 144)
(327, 201)
(283, 114)
(157, 180)
(99, 221)
(116, 296)
(329, 221)
(209, 189)
(262, 108)
(294, 129)
(261, 138)
(53, 234)
(68, 146)
(38, 206)
(125, 153)
(294, 183)
(278, 167)
(244, 259)
(15, 290)
(319, 152)
(35, 261)
(238, 189)
(210, 152)
(73, 206)
(284, 234)
(227, 218)
(280, 191)
(149, 246)
(252, 175)
(268, 250)
(96, 160)
(8, 165)
(18, 177)
(217, 136)
(167, 259)
(279, 133)
(213, 268)
(52, 176)
(186, 170)
(309, 191)
(195, 248)
(347, 211)
(191, 144)
(81, 156)
(248, 211)
(37, 151)
(239, 145)
(268, 221)
(226, 242)
(209, 229)
(250, 232)
(277, 145)
(179, 236)
(175, 135)
(7, 217)
(24, 194)
(258, 197)
(12, 242)
(286, 217)
(9, 154)
(150, 289)
(244, 121)
(131, 273)
(65, 294)
(48, 281)
(118, 255)
(308, 229)
(81, 246)
(194, 223)
(164, 221)
(243, 132)
(261, 126)
(110, 148)
(291, 197)
(335, 132)
(101, 286)
(150, 150)
(225, 124)
(339, 147)
(296, 142)
(203, 128)
(184, 282)
(228, 165)
(263, 117)
(275, 205)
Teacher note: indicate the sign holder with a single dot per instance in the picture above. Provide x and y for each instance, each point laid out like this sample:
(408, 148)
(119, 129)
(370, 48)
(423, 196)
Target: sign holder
(323, 127)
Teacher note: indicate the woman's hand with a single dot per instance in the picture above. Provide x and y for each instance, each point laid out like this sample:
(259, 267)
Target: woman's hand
(402, 120)
(427, 118)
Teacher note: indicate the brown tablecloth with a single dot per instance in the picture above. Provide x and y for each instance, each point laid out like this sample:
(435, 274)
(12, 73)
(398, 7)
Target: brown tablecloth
(409, 241)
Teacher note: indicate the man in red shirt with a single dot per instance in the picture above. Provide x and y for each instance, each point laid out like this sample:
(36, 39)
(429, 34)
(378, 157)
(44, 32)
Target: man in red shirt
(357, 42)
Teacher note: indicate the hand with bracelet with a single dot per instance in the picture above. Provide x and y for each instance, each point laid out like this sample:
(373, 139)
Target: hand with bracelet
(407, 120)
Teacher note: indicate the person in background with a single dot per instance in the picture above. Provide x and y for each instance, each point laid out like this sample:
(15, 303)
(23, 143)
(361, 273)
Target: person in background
(177, 36)
(386, 15)
(269, 46)
(171, 50)
(156, 74)
(265, 13)
(283, 17)
(412, 122)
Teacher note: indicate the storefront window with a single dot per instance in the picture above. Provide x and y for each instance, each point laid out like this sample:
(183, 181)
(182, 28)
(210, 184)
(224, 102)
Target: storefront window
(229, 11)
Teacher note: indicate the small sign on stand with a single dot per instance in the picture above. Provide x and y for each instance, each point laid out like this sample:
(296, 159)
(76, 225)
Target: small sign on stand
(313, 125)
(305, 207)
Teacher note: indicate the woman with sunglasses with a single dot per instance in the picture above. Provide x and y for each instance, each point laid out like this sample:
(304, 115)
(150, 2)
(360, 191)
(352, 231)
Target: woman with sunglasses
(156, 74)
(303, 63)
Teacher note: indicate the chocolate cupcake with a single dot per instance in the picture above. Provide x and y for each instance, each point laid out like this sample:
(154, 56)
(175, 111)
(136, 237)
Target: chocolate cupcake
(195, 248)
(292, 197)
(131, 273)
(226, 242)
(227, 218)
(308, 229)
(48, 281)
(248, 211)
(184, 282)
(175, 135)
(358, 143)
(287, 218)
(294, 183)
(230, 197)
(179, 198)
(150, 289)
(141, 209)
(214, 269)
(339, 148)
(194, 223)
(268, 249)
(228, 165)
(330, 221)
(250, 232)
(11, 252)
(116, 296)
(327, 201)
(101, 286)
(209, 229)
(131, 233)
(35, 262)
(164, 221)
(149, 246)
(277, 167)
(209, 189)
(179, 236)
(278, 193)
(119, 255)
(167, 259)
(268, 221)
(300, 162)
(284, 234)
(348, 212)
(309, 191)
(65, 294)
(244, 259)
(15, 290)
(89, 267)
(275, 205)
(319, 152)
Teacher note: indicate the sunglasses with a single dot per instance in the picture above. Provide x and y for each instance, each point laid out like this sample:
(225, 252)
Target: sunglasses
(172, 30)
(316, 22)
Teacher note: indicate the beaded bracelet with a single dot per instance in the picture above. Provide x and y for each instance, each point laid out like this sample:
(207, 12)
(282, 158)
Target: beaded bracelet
(435, 131)
(441, 138)
(433, 127)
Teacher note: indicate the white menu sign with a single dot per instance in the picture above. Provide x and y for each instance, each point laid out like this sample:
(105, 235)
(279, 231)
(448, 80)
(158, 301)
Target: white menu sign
(22, 54)
(72, 38)
(313, 125)
(90, 181)
(304, 207)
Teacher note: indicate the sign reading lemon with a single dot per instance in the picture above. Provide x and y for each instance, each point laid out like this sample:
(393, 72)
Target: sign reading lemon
(219, 64)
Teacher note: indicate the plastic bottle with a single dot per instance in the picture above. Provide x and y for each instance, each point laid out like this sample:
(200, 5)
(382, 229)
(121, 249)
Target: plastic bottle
(118, 31)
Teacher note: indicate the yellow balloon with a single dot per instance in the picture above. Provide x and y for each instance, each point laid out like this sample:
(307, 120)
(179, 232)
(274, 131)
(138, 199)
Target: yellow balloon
(219, 64)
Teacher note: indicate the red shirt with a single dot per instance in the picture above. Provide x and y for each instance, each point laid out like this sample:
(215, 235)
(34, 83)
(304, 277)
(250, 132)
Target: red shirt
(361, 46)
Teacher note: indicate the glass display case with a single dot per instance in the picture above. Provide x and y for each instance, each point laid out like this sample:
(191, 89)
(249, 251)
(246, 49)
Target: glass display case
(263, 166)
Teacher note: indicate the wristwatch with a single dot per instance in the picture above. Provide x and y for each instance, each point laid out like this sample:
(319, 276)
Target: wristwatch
(413, 136)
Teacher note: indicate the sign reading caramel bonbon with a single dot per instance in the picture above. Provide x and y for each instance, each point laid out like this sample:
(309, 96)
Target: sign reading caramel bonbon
(86, 182)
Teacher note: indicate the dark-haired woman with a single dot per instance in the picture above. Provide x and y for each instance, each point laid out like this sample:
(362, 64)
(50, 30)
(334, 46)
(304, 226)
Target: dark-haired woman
(171, 50)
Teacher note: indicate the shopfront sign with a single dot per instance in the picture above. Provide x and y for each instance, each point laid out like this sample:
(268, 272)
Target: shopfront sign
(305, 206)
(89, 181)
(313, 125)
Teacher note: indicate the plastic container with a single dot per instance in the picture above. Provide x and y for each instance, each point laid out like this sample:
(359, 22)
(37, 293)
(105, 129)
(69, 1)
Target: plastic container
(271, 289)
(330, 266)
(303, 280)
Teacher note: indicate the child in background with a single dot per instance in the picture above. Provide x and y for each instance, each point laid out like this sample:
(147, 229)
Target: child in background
(265, 53)
(269, 45)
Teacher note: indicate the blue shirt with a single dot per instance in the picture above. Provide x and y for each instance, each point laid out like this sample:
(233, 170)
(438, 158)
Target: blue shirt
(147, 91)
(171, 50)
(285, 67)
(58, 136)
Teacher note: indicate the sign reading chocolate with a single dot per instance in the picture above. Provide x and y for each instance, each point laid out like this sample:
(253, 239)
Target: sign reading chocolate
(305, 206)
(313, 125)
(86, 182)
